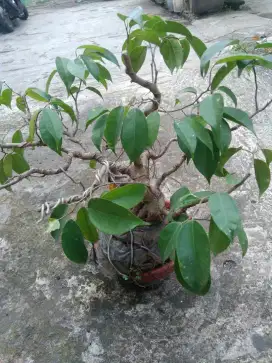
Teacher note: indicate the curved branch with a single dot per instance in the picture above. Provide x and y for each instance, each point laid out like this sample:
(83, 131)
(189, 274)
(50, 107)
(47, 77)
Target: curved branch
(21, 145)
(171, 171)
(155, 157)
(152, 87)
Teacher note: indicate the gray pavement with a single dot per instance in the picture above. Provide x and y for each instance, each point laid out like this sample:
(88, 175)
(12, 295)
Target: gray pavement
(53, 311)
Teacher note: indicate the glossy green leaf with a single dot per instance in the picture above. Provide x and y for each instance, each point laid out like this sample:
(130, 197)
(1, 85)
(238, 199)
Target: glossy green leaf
(98, 130)
(64, 107)
(104, 53)
(229, 93)
(73, 243)
(222, 135)
(66, 77)
(122, 17)
(37, 94)
(201, 132)
(219, 242)
(232, 179)
(200, 48)
(137, 15)
(32, 125)
(263, 45)
(76, 69)
(17, 138)
(137, 57)
(212, 51)
(6, 97)
(51, 129)
(153, 126)
(92, 67)
(173, 27)
(94, 114)
(262, 174)
(268, 155)
(221, 74)
(224, 212)
(3, 177)
(59, 213)
(172, 53)
(104, 73)
(53, 225)
(7, 165)
(186, 50)
(95, 90)
(205, 160)
(211, 109)
(178, 196)
(127, 196)
(169, 237)
(186, 136)
(147, 35)
(21, 104)
(239, 57)
(134, 135)
(193, 254)
(111, 218)
(92, 164)
(49, 80)
(238, 116)
(114, 126)
(19, 164)
(87, 228)
(242, 238)
(227, 154)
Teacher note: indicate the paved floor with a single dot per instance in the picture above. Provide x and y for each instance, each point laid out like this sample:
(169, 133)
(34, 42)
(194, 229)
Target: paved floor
(55, 312)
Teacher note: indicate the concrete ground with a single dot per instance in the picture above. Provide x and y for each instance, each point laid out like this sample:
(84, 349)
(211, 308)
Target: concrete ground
(53, 311)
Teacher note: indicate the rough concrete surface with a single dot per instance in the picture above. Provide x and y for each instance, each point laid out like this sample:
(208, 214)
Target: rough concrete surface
(53, 311)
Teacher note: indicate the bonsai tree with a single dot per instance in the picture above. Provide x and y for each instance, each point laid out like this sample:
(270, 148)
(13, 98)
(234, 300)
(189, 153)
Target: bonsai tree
(125, 199)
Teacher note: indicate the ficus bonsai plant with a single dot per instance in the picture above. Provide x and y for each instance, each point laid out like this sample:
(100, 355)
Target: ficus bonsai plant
(124, 207)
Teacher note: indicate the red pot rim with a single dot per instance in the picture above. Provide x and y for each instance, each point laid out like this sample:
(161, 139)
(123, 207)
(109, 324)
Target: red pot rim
(158, 273)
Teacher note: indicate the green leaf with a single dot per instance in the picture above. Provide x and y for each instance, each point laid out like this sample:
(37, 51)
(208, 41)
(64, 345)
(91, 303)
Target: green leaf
(74, 89)
(19, 164)
(92, 164)
(193, 254)
(263, 46)
(137, 15)
(172, 53)
(51, 129)
(122, 17)
(92, 67)
(229, 93)
(226, 155)
(200, 48)
(104, 73)
(95, 90)
(7, 165)
(242, 237)
(153, 126)
(137, 57)
(21, 104)
(38, 94)
(114, 126)
(64, 107)
(17, 138)
(32, 125)
(104, 53)
(178, 196)
(222, 135)
(127, 196)
(239, 57)
(3, 177)
(268, 155)
(205, 160)
(224, 212)
(219, 242)
(94, 114)
(212, 51)
(59, 213)
(110, 218)
(73, 243)
(173, 27)
(6, 97)
(189, 90)
(232, 179)
(186, 50)
(53, 225)
(66, 77)
(262, 174)
(238, 116)
(49, 80)
(221, 74)
(87, 228)
(134, 135)
(186, 136)
(211, 109)
(98, 130)
(169, 237)
(201, 132)
(76, 69)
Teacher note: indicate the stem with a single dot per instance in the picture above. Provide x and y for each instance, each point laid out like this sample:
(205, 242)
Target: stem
(256, 89)
(170, 171)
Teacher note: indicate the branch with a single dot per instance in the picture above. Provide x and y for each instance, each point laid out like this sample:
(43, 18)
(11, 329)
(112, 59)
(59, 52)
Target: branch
(152, 87)
(171, 171)
(155, 157)
(205, 200)
(44, 172)
(21, 145)
(256, 89)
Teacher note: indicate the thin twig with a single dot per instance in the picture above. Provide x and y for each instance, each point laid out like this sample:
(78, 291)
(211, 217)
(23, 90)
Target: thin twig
(21, 145)
(73, 180)
(170, 171)
(256, 89)
(155, 157)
